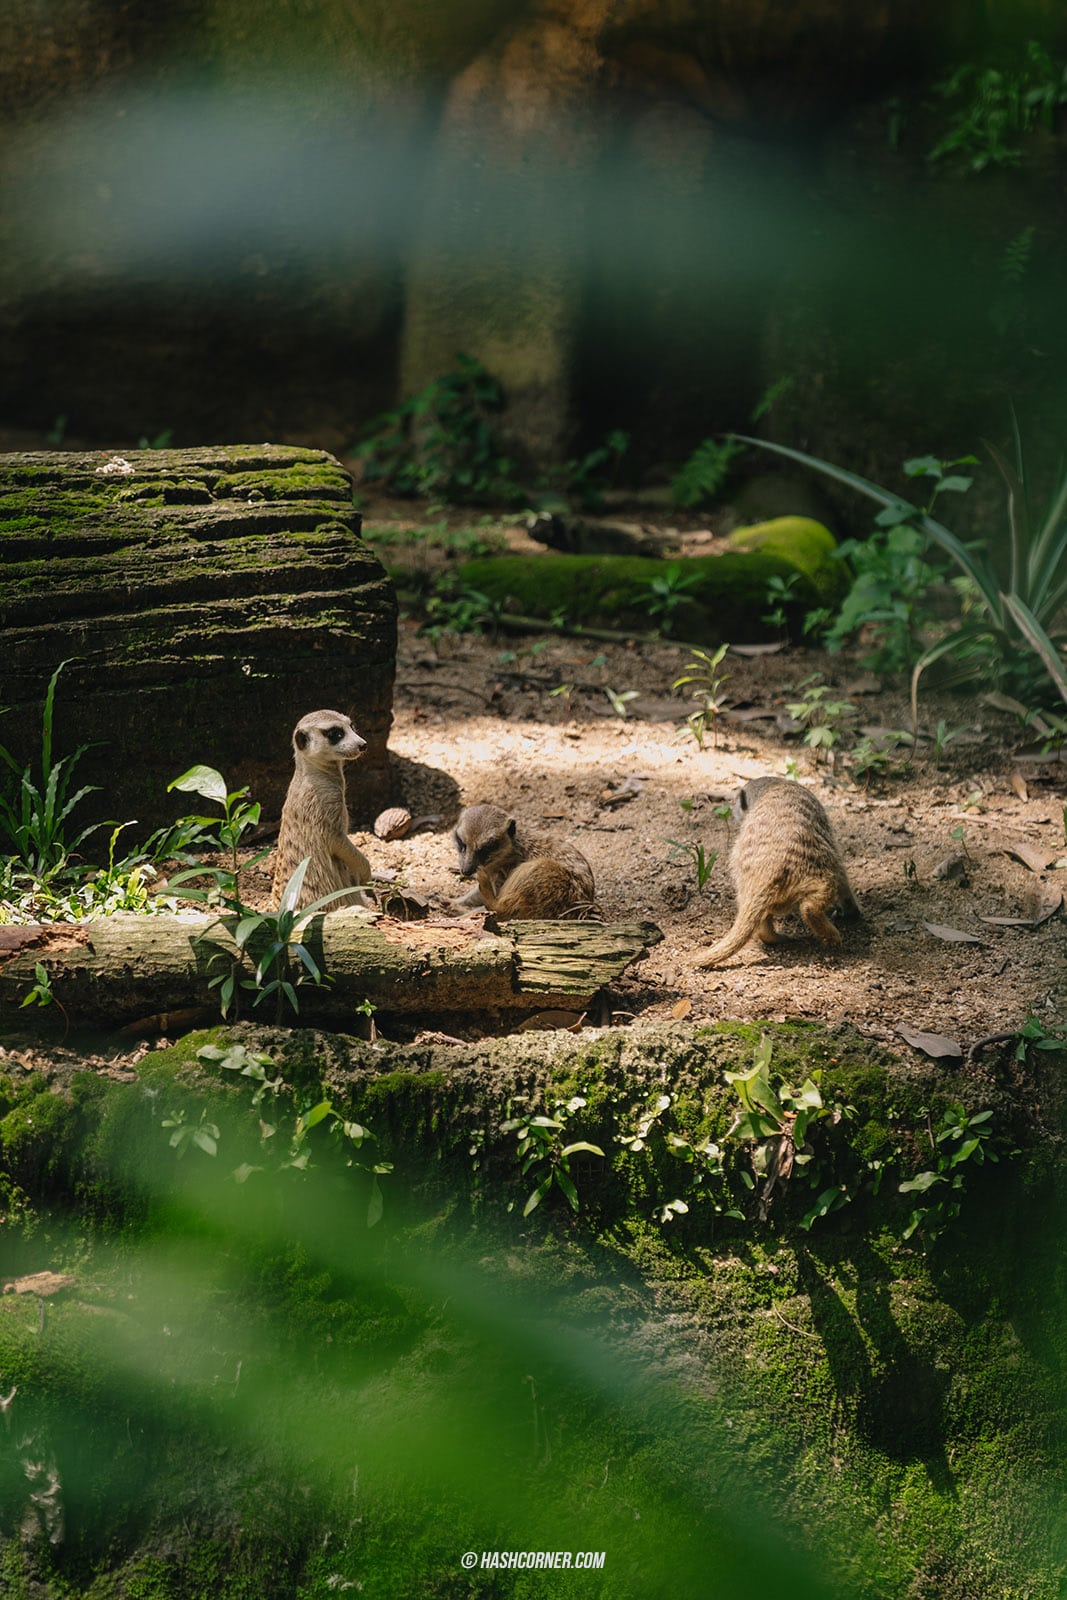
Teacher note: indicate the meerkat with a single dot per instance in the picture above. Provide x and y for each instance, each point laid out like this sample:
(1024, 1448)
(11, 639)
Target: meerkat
(784, 859)
(520, 873)
(315, 815)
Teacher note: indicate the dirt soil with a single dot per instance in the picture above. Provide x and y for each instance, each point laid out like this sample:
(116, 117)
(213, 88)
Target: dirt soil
(526, 722)
(477, 720)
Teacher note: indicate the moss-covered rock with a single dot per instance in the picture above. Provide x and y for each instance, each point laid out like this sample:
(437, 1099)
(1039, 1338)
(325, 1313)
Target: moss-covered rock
(194, 595)
(808, 545)
(245, 1365)
(708, 598)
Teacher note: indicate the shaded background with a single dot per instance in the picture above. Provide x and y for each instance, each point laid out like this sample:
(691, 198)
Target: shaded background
(242, 220)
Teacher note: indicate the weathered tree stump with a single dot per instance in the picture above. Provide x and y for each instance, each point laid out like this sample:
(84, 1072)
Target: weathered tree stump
(124, 968)
(204, 601)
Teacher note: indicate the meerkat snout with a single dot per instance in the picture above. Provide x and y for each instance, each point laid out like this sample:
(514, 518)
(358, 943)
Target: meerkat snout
(325, 736)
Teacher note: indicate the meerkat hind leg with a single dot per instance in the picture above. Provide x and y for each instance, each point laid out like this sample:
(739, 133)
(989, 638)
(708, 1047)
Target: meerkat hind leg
(767, 933)
(814, 915)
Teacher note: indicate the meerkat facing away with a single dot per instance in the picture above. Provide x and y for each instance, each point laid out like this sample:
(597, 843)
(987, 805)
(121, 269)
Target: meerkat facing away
(521, 873)
(784, 859)
(315, 815)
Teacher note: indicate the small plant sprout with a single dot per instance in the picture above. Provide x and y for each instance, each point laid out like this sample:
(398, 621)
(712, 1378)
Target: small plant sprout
(202, 1135)
(820, 717)
(563, 691)
(462, 610)
(1033, 1035)
(285, 1138)
(259, 959)
(41, 993)
(542, 1155)
(958, 1140)
(780, 593)
(702, 861)
(703, 672)
(668, 592)
(774, 1119)
(238, 813)
(620, 699)
(34, 814)
(943, 737)
(872, 756)
(706, 1163)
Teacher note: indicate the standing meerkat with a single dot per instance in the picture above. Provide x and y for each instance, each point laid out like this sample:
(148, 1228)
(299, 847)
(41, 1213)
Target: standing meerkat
(521, 873)
(315, 815)
(784, 859)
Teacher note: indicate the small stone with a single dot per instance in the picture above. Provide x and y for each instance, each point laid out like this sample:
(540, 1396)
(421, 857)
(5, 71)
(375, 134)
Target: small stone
(952, 869)
(393, 823)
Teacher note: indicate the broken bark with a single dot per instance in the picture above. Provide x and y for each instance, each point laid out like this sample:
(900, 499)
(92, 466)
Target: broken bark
(123, 968)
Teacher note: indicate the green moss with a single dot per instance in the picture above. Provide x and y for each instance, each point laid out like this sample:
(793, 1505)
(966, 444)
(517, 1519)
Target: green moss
(806, 544)
(37, 1138)
(302, 481)
(616, 590)
(240, 1347)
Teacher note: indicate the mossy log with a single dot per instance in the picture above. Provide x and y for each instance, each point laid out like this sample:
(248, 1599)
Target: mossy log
(124, 968)
(715, 597)
(203, 600)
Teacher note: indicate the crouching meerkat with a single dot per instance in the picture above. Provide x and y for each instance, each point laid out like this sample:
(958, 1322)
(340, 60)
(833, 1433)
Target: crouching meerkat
(784, 859)
(315, 815)
(520, 873)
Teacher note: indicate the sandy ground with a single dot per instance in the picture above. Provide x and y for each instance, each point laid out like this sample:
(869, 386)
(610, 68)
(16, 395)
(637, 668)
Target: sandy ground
(475, 720)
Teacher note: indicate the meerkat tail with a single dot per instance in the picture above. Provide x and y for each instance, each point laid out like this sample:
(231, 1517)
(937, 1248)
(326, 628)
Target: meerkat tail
(748, 920)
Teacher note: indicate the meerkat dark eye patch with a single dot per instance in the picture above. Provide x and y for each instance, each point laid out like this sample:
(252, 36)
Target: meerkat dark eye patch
(335, 735)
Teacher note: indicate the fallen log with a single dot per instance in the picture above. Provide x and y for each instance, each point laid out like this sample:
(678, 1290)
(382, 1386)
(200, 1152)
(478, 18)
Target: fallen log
(123, 968)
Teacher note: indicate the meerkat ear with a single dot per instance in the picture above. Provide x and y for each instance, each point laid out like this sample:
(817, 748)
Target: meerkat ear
(742, 798)
(511, 827)
(302, 739)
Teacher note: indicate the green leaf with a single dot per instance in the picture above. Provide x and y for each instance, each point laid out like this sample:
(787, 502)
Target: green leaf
(291, 892)
(921, 1183)
(304, 956)
(202, 780)
(1038, 640)
(324, 900)
(954, 484)
(203, 1140)
(829, 1200)
(246, 928)
(538, 1195)
(594, 1149)
(566, 1184)
(311, 1119)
